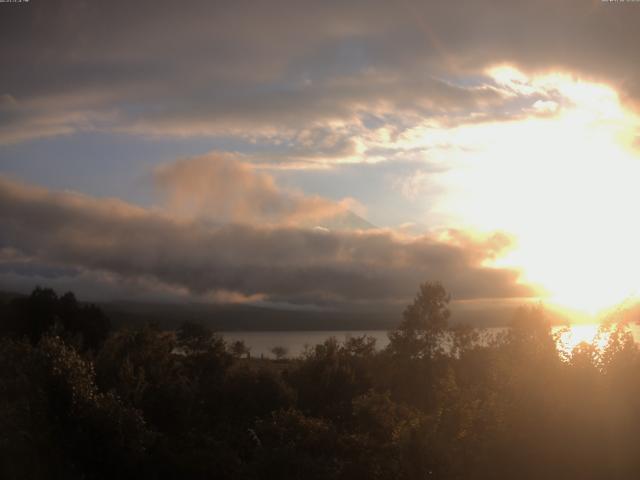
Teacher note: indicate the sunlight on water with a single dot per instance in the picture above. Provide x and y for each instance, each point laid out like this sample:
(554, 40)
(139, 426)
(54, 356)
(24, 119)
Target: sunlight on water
(573, 335)
(295, 342)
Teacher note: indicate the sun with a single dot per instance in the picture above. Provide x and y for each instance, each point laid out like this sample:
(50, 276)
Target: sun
(563, 178)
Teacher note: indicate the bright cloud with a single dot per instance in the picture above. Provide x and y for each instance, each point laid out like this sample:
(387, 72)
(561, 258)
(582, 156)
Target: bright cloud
(224, 189)
(412, 114)
(277, 263)
(565, 184)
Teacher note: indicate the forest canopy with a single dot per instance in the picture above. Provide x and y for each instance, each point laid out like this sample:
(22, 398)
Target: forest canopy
(81, 400)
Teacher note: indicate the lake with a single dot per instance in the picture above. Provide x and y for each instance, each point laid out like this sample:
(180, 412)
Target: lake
(295, 342)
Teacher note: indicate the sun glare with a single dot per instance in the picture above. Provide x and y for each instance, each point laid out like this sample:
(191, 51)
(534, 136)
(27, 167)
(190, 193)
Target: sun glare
(562, 179)
(570, 338)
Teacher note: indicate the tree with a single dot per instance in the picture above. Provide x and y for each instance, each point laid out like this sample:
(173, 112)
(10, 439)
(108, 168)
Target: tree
(329, 376)
(35, 314)
(194, 336)
(279, 352)
(56, 423)
(239, 349)
(424, 321)
(86, 323)
(43, 312)
(429, 310)
(294, 446)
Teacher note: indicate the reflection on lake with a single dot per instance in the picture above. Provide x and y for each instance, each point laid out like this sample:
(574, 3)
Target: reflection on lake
(572, 336)
(295, 342)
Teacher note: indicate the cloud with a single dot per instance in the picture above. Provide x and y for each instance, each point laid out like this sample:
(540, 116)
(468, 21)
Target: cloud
(412, 186)
(53, 115)
(278, 263)
(222, 188)
(280, 71)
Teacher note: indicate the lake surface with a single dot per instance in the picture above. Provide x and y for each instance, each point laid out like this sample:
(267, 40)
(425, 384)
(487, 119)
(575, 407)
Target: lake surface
(295, 342)
(261, 343)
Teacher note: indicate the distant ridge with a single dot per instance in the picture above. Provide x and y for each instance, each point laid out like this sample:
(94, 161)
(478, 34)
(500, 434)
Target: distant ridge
(6, 297)
(234, 317)
(275, 318)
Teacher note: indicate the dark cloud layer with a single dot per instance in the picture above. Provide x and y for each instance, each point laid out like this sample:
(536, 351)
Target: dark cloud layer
(272, 68)
(301, 82)
(280, 263)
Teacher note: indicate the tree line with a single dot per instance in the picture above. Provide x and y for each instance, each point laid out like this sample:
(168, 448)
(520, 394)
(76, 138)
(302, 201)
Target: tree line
(79, 400)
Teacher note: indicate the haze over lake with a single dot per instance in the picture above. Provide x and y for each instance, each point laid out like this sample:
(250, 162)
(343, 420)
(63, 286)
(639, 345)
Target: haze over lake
(296, 342)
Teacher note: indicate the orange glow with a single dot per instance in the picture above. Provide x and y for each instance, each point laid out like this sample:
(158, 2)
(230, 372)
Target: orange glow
(574, 335)
(562, 178)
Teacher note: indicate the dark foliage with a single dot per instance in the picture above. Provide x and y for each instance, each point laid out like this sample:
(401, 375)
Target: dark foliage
(43, 312)
(439, 402)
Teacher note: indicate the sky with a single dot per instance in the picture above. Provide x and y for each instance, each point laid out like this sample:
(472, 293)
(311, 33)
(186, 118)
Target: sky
(328, 154)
